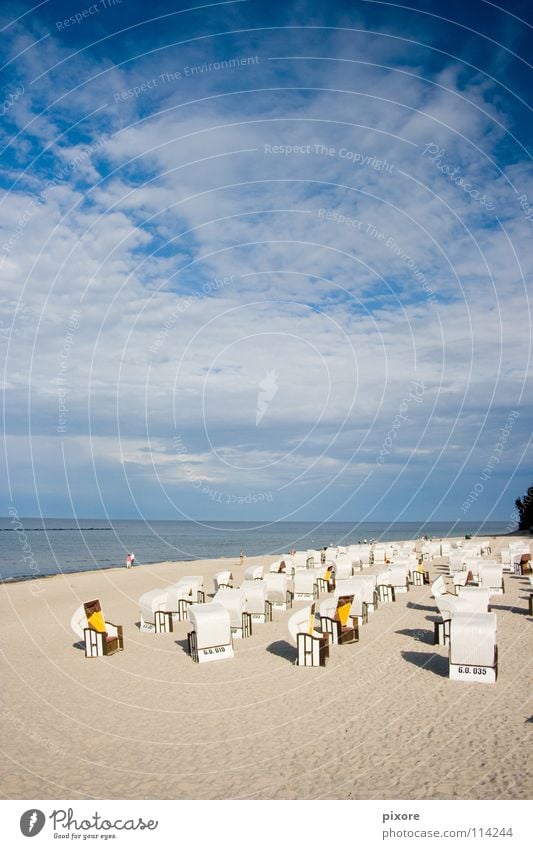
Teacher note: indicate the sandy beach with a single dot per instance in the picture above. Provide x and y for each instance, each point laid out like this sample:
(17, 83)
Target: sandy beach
(380, 721)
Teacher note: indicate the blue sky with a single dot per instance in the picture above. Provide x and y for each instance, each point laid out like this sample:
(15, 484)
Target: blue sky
(266, 260)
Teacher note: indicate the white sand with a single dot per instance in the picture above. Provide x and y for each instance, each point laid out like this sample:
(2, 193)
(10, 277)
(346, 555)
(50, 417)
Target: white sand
(381, 721)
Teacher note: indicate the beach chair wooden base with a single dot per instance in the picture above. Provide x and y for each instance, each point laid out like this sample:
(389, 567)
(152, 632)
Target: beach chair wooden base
(163, 622)
(262, 618)
(337, 635)
(99, 644)
(205, 655)
(418, 579)
(311, 650)
(441, 632)
(324, 585)
(530, 605)
(386, 593)
(245, 630)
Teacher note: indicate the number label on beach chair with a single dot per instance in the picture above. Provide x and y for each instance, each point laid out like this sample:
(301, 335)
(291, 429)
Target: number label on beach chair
(477, 674)
(147, 628)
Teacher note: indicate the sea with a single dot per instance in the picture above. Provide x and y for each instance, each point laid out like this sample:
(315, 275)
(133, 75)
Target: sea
(33, 548)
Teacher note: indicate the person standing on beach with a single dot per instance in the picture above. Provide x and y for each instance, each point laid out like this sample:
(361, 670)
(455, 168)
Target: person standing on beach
(128, 561)
(242, 557)
(132, 558)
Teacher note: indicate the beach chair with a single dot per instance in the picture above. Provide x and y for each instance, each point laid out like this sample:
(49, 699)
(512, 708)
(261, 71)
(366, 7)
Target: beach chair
(253, 573)
(180, 596)
(473, 653)
(210, 638)
(223, 579)
(155, 618)
(101, 638)
(257, 606)
(304, 585)
(471, 600)
(384, 587)
(363, 590)
(234, 600)
(342, 569)
(334, 621)
(278, 593)
(312, 647)
(460, 579)
(438, 587)
(491, 578)
(417, 574)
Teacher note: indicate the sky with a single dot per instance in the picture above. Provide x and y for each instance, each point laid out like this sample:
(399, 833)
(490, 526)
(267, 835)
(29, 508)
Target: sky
(266, 260)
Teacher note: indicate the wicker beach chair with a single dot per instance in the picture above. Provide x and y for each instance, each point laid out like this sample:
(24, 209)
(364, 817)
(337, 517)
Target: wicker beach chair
(312, 647)
(223, 579)
(304, 585)
(491, 578)
(155, 618)
(335, 621)
(473, 653)
(101, 638)
(257, 606)
(234, 600)
(253, 573)
(210, 638)
(278, 592)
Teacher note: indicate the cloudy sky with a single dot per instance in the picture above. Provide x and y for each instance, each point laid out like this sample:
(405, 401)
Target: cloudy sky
(266, 260)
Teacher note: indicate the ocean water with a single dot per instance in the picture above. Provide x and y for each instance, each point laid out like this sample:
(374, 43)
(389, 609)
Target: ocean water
(37, 547)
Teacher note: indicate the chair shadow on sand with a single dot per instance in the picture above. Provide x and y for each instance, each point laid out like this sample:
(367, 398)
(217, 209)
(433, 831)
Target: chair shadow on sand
(431, 662)
(281, 648)
(183, 644)
(422, 635)
(79, 645)
(413, 606)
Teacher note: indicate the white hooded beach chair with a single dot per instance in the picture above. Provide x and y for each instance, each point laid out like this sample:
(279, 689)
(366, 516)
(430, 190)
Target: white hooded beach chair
(180, 596)
(312, 647)
(210, 638)
(257, 606)
(234, 600)
(100, 637)
(304, 585)
(471, 600)
(384, 587)
(223, 579)
(253, 573)
(342, 569)
(278, 593)
(366, 587)
(155, 618)
(491, 578)
(473, 651)
(438, 587)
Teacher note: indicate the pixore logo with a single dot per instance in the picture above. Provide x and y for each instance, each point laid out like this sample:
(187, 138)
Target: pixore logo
(32, 822)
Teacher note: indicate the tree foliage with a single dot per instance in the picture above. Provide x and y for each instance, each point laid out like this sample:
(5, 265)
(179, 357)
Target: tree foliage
(525, 511)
